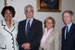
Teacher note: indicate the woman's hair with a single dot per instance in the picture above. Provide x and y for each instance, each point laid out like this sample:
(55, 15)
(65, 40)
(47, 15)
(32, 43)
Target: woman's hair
(49, 18)
(10, 8)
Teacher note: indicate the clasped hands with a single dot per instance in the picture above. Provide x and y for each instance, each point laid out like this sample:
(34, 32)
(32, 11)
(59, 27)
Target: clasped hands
(26, 46)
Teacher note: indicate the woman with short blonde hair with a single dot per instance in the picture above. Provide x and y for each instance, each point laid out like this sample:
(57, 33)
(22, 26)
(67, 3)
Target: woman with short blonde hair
(50, 39)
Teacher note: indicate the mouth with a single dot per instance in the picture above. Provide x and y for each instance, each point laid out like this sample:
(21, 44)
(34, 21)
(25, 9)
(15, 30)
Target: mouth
(8, 16)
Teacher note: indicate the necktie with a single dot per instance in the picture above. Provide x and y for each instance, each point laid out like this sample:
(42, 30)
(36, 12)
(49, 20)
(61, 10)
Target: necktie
(27, 29)
(66, 31)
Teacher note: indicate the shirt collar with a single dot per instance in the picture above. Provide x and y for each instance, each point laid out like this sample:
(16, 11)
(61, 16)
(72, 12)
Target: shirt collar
(49, 30)
(4, 23)
(69, 25)
(30, 19)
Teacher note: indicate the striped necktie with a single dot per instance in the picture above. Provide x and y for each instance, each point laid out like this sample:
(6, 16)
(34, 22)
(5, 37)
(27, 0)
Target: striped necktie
(27, 29)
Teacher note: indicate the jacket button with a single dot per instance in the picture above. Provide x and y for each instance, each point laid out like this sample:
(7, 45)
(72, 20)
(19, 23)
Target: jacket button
(12, 38)
(12, 46)
(12, 42)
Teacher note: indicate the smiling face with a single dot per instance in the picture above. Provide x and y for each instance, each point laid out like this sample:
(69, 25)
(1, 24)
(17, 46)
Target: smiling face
(67, 18)
(8, 15)
(29, 12)
(49, 24)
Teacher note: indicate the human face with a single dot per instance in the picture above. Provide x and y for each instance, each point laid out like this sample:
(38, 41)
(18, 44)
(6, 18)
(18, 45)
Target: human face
(67, 18)
(49, 24)
(8, 15)
(29, 12)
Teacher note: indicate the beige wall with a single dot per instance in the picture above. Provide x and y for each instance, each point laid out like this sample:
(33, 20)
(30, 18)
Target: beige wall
(20, 4)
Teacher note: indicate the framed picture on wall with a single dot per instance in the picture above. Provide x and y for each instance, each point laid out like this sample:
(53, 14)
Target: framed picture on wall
(5, 2)
(49, 5)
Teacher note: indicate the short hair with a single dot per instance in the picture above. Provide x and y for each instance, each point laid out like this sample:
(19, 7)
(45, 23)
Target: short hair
(10, 8)
(68, 11)
(48, 19)
(25, 9)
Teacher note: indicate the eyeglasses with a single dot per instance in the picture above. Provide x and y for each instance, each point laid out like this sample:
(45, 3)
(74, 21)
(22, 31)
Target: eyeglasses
(29, 11)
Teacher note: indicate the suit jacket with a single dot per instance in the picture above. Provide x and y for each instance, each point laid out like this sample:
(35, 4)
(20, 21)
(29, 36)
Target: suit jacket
(69, 43)
(52, 42)
(34, 35)
(7, 36)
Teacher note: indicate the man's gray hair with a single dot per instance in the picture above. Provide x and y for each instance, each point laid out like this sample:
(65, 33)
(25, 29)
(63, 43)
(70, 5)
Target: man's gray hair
(68, 11)
(25, 9)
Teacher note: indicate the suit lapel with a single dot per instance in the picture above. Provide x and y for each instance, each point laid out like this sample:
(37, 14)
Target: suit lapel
(6, 28)
(63, 33)
(23, 27)
(70, 31)
(50, 37)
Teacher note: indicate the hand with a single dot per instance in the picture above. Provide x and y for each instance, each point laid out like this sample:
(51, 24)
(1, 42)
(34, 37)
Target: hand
(26, 46)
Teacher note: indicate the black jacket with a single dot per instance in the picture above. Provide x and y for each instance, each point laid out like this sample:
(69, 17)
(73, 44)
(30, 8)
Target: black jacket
(69, 43)
(34, 35)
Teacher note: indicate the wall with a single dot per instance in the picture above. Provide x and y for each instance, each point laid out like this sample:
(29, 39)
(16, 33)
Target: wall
(20, 4)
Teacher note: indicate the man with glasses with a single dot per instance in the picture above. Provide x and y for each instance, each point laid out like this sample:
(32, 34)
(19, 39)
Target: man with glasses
(68, 31)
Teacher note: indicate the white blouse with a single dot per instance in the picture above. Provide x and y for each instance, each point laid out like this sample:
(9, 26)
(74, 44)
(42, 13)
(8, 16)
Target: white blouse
(46, 33)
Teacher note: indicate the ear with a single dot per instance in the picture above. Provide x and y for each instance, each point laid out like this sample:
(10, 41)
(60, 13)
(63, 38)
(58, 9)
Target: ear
(25, 13)
(72, 17)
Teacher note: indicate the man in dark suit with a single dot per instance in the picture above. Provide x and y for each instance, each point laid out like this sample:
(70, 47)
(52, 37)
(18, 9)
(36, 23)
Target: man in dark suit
(52, 4)
(29, 31)
(68, 31)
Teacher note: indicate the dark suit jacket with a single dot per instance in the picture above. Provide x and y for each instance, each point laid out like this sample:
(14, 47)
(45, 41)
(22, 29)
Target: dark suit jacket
(34, 35)
(69, 43)
(51, 4)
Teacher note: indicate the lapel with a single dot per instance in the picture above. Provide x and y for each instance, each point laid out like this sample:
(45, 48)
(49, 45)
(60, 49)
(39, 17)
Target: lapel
(32, 26)
(63, 33)
(50, 37)
(6, 28)
(23, 27)
(30, 31)
(70, 31)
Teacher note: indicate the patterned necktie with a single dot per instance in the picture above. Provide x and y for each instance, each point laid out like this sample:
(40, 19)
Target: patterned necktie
(27, 29)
